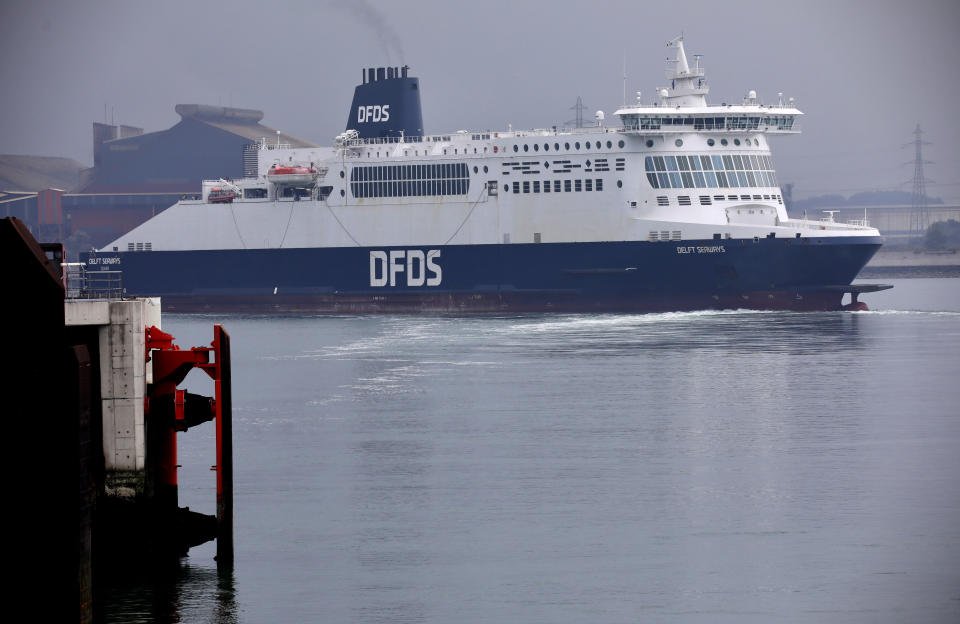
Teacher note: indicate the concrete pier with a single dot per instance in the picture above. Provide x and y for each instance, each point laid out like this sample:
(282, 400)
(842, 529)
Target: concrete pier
(94, 436)
(123, 379)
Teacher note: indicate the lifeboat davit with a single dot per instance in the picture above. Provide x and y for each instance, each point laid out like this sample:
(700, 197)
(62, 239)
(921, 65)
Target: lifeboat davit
(292, 176)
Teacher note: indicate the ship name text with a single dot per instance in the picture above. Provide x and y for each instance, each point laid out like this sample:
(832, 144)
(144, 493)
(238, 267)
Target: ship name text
(701, 249)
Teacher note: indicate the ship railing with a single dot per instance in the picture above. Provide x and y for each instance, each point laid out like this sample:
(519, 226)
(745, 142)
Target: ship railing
(828, 224)
(84, 284)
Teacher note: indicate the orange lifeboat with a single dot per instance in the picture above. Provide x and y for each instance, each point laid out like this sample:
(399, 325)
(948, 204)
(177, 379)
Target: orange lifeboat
(219, 195)
(292, 176)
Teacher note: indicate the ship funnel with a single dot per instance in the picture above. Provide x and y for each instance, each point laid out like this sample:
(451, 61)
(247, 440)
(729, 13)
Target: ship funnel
(386, 105)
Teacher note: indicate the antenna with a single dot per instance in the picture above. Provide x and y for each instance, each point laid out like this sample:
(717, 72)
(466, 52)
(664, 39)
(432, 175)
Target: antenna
(624, 77)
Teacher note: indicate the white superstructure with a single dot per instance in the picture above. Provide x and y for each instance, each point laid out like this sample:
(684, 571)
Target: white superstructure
(673, 169)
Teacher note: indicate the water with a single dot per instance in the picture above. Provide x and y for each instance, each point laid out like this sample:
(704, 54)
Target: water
(694, 467)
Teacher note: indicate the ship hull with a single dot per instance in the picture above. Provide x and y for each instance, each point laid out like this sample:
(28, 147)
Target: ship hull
(632, 276)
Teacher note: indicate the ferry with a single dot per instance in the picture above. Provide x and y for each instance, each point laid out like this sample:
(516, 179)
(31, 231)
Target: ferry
(675, 206)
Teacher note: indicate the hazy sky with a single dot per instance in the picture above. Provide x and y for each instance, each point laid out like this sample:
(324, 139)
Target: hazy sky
(864, 72)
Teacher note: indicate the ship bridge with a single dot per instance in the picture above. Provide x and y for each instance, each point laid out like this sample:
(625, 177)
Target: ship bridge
(682, 107)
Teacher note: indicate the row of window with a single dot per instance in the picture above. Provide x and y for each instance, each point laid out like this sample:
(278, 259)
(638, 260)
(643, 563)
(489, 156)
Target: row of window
(566, 146)
(738, 122)
(710, 171)
(556, 186)
(410, 180)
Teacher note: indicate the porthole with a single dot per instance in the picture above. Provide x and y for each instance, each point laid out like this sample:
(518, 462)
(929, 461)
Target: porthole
(516, 148)
(756, 142)
(485, 169)
(619, 183)
(506, 188)
(546, 147)
(620, 144)
(710, 142)
(723, 141)
(342, 192)
(475, 169)
(609, 144)
(536, 147)
(566, 146)
(342, 174)
(736, 141)
(526, 147)
(678, 142)
(577, 145)
(649, 142)
(556, 147)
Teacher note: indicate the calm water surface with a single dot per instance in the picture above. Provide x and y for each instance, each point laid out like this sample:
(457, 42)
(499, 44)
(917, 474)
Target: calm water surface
(694, 467)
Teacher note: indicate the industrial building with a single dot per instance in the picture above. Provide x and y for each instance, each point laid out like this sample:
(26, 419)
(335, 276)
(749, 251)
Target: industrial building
(138, 174)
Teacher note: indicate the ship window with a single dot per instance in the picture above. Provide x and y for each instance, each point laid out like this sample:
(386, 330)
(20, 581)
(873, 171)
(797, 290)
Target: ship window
(698, 179)
(742, 178)
(476, 169)
(567, 186)
(694, 163)
(506, 188)
(516, 187)
(577, 145)
(723, 142)
(736, 141)
(710, 142)
(682, 163)
(737, 162)
(516, 148)
(588, 184)
(526, 147)
(577, 185)
(706, 163)
(649, 142)
(556, 186)
(664, 180)
(652, 178)
(648, 163)
(752, 181)
(675, 181)
(678, 142)
(546, 147)
(687, 179)
(711, 179)
(721, 179)
(566, 146)
(485, 169)
(609, 144)
(620, 144)
(536, 147)
(526, 186)
(671, 162)
(599, 184)
(658, 162)
(546, 186)
(556, 147)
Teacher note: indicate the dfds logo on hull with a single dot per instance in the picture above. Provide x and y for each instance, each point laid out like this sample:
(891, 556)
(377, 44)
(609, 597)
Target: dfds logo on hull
(419, 268)
(373, 113)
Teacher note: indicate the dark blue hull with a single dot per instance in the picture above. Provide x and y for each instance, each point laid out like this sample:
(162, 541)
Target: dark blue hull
(768, 273)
